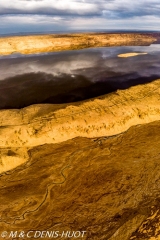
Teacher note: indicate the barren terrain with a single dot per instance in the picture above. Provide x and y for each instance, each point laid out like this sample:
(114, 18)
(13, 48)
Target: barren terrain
(107, 115)
(109, 187)
(54, 42)
(81, 166)
(87, 166)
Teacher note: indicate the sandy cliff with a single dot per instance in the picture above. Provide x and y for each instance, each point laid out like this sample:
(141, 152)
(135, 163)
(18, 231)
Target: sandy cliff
(104, 116)
(50, 43)
(107, 115)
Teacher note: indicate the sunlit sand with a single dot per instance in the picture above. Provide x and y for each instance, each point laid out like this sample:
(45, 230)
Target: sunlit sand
(125, 55)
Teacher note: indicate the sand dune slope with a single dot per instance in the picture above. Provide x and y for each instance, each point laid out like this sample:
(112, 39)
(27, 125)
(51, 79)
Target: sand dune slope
(106, 116)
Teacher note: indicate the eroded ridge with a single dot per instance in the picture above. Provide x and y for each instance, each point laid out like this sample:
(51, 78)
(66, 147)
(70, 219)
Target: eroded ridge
(104, 116)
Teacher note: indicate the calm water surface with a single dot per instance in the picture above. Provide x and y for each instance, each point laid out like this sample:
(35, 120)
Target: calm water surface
(71, 76)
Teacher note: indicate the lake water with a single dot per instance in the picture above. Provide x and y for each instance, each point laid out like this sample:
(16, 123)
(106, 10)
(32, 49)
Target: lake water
(71, 76)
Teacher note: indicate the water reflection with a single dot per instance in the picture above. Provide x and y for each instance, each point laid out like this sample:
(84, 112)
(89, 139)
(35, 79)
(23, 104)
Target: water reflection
(73, 75)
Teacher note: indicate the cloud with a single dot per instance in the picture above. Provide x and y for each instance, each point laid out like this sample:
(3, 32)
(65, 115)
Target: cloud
(110, 8)
(53, 15)
(47, 7)
(128, 9)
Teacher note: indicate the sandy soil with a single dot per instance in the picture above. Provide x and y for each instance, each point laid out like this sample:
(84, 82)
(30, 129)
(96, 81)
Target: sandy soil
(108, 187)
(54, 42)
(126, 55)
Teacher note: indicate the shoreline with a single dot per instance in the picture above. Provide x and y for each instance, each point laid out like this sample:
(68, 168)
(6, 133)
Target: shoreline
(33, 44)
(122, 109)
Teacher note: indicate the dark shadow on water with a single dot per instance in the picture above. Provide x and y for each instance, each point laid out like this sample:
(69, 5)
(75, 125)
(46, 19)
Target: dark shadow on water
(34, 88)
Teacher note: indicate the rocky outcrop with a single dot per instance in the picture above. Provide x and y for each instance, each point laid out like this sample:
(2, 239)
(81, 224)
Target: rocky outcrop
(54, 42)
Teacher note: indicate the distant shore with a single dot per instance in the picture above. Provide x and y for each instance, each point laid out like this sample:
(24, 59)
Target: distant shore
(60, 42)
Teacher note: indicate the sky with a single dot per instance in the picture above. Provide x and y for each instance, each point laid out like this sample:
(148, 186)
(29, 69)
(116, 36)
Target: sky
(78, 15)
